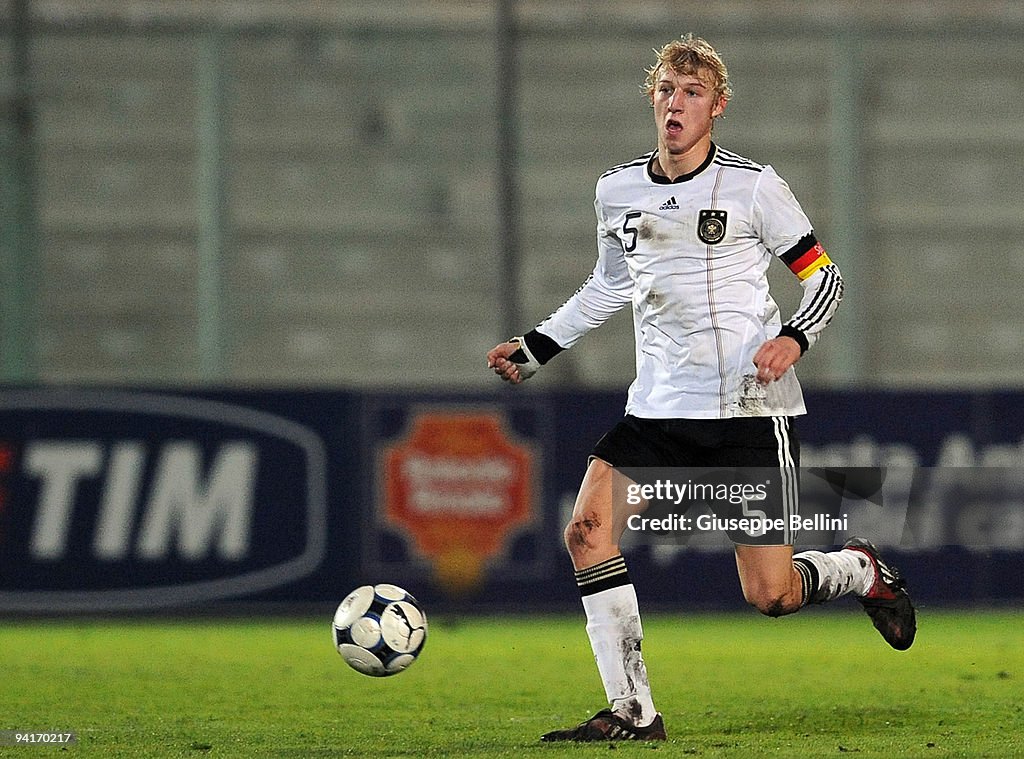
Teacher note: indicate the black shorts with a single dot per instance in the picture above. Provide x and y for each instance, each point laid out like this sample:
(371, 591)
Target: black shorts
(743, 441)
(760, 448)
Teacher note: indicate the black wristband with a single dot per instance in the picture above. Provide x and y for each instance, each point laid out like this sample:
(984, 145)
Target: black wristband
(541, 346)
(800, 337)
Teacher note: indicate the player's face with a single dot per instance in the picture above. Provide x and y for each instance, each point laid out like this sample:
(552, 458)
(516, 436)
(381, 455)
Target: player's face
(684, 109)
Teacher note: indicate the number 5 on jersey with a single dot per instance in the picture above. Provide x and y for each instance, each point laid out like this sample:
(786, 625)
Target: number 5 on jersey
(630, 232)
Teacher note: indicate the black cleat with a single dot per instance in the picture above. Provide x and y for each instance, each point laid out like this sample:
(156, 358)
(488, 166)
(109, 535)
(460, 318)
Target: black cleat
(606, 725)
(887, 603)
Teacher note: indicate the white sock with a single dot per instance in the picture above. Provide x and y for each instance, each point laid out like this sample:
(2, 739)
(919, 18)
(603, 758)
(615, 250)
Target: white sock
(827, 576)
(615, 632)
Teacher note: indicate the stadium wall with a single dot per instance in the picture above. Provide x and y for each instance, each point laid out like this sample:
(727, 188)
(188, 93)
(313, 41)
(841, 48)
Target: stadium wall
(298, 193)
(126, 500)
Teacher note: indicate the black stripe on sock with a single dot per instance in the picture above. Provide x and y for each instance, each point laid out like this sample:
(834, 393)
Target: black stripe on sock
(614, 564)
(610, 573)
(808, 580)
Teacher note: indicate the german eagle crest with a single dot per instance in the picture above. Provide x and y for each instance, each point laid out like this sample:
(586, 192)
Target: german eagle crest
(711, 225)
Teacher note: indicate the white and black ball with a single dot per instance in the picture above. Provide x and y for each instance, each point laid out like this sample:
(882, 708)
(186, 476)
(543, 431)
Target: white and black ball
(379, 630)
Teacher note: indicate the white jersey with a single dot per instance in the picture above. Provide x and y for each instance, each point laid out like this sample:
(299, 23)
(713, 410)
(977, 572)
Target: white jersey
(691, 256)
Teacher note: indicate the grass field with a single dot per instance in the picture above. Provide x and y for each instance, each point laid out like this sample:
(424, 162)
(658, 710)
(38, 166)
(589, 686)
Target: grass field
(821, 683)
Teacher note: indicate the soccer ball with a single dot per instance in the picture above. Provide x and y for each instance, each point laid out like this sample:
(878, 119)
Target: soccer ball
(379, 630)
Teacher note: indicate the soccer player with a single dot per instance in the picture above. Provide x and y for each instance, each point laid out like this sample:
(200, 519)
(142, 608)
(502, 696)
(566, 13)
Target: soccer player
(685, 236)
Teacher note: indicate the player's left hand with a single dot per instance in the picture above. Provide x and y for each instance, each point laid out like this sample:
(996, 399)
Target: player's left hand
(775, 357)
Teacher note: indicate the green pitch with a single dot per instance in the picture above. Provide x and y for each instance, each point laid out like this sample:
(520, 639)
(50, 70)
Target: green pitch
(819, 684)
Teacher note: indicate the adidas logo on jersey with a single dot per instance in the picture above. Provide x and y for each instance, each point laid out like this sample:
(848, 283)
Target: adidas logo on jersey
(669, 205)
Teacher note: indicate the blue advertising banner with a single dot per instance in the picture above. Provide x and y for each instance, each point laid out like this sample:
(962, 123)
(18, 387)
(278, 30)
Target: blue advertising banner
(126, 500)
(115, 499)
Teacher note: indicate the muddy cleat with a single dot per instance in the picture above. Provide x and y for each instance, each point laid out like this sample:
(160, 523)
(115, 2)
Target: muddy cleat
(887, 603)
(608, 726)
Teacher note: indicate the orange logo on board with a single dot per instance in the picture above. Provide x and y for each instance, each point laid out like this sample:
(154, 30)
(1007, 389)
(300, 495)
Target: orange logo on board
(458, 486)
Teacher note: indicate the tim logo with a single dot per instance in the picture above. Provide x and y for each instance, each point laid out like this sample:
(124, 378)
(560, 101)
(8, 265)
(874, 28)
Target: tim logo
(124, 500)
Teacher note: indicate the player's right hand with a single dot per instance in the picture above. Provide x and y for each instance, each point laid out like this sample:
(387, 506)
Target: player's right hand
(512, 361)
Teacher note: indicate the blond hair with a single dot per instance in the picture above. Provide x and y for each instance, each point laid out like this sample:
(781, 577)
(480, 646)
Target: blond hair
(692, 56)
